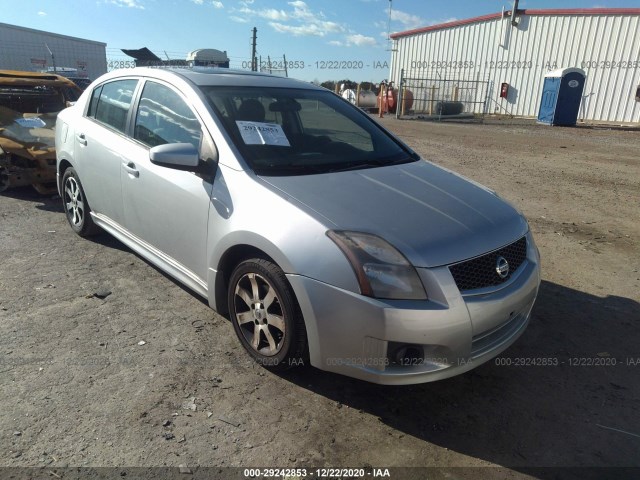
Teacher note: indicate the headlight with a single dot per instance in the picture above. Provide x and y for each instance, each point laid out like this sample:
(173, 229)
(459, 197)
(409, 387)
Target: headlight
(382, 271)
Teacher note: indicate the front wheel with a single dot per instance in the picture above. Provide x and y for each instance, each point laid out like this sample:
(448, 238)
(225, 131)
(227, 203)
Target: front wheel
(76, 206)
(266, 316)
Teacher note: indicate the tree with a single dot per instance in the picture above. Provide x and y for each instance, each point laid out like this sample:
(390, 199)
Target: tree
(369, 86)
(329, 85)
(348, 84)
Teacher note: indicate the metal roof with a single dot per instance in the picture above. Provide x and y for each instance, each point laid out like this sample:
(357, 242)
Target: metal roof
(43, 32)
(531, 12)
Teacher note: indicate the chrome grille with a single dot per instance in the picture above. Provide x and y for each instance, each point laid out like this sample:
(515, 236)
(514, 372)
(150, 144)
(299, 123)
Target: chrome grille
(480, 272)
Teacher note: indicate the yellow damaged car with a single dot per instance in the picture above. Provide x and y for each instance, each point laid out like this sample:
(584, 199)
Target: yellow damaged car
(29, 105)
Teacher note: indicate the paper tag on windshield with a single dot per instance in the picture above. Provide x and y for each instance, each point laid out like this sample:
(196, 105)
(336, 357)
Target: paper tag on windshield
(259, 133)
(32, 122)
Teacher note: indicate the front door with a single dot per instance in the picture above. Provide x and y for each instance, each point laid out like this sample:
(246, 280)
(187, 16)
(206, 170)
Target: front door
(166, 208)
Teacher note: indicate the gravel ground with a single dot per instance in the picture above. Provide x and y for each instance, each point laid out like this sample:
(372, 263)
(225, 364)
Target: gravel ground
(79, 387)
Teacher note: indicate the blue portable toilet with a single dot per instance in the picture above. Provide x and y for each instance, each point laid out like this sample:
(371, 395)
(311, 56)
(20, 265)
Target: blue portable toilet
(561, 96)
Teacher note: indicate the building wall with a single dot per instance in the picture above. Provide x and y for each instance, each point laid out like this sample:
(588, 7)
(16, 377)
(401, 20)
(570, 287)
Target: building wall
(25, 49)
(606, 46)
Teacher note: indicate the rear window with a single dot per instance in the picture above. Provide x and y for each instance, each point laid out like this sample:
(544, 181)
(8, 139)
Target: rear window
(110, 103)
(33, 99)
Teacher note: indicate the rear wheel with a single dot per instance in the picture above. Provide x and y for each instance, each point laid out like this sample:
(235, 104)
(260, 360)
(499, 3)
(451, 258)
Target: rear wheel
(76, 206)
(266, 315)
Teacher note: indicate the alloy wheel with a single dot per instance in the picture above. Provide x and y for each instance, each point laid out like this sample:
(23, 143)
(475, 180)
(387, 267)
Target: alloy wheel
(259, 314)
(74, 202)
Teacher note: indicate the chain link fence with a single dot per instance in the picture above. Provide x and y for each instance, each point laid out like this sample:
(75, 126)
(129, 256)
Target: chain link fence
(442, 95)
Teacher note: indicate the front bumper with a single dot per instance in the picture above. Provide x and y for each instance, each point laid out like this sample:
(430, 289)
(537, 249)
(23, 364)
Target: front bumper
(362, 337)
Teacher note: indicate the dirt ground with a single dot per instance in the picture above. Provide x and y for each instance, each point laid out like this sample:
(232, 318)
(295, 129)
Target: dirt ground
(78, 388)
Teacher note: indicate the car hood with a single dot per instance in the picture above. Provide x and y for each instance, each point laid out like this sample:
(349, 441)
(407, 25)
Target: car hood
(432, 215)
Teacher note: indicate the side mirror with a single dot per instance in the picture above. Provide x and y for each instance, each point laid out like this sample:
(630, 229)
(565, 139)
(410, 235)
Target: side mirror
(179, 156)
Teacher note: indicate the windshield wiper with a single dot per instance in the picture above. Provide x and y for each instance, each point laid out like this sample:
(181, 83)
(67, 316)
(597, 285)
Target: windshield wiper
(290, 169)
(370, 164)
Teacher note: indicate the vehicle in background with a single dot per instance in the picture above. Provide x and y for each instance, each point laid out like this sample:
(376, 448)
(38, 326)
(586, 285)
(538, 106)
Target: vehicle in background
(29, 105)
(81, 82)
(77, 76)
(208, 57)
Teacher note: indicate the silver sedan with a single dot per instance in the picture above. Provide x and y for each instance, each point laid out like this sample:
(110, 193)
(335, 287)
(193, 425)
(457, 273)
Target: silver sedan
(319, 234)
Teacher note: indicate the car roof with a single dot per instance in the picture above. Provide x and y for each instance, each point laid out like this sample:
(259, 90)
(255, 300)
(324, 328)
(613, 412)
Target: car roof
(211, 76)
(16, 77)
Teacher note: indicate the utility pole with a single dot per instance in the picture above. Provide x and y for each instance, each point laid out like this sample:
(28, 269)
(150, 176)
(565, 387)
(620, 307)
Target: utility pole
(389, 21)
(254, 66)
(53, 58)
(514, 13)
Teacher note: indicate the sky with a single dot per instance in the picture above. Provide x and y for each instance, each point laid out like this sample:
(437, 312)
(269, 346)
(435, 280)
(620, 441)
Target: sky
(322, 39)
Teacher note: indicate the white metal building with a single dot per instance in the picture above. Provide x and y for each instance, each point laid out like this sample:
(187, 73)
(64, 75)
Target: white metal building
(519, 49)
(31, 50)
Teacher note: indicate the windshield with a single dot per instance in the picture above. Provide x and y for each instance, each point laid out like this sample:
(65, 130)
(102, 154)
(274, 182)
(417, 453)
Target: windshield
(300, 132)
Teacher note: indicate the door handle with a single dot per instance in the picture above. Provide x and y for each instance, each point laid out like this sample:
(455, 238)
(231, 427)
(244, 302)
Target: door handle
(131, 169)
(82, 139)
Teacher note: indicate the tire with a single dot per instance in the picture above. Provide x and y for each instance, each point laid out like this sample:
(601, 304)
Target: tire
(75, 204)
(266, 316)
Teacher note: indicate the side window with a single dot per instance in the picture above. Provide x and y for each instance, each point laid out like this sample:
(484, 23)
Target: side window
(110, 103)
(95, 98)
(163, 117)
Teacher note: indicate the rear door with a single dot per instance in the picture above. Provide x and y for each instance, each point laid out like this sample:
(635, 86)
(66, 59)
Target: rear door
(167, 208)
(100, 143)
